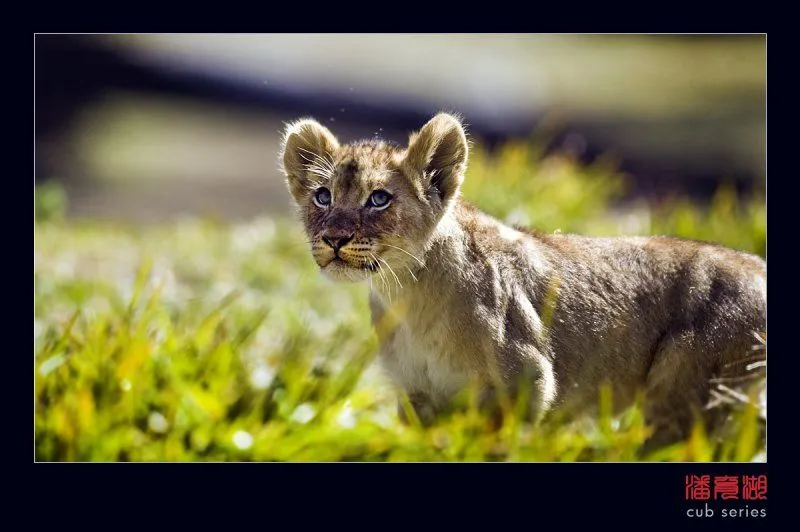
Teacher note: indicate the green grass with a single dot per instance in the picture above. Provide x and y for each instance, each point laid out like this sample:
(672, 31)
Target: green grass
(197, 340)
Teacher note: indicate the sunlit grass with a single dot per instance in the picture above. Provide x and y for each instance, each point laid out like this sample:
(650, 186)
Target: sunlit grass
(203, 341)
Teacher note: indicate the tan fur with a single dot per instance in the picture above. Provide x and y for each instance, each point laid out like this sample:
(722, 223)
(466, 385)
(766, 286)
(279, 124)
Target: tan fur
(482, 302)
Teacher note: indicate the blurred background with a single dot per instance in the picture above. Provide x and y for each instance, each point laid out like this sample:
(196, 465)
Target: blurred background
(147, 128)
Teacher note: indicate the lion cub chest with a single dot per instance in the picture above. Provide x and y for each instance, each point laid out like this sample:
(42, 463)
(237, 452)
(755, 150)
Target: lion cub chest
(417, 356)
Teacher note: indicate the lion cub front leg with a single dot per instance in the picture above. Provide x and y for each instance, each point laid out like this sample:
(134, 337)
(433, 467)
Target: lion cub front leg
(422, 406)
(530, 383)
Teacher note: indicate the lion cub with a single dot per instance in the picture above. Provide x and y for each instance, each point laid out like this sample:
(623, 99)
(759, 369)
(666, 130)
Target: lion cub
(474, 300)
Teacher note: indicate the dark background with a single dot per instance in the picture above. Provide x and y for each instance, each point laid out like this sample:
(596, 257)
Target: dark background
(150, 127)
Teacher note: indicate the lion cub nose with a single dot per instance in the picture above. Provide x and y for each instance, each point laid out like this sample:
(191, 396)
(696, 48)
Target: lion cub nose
(337, 240)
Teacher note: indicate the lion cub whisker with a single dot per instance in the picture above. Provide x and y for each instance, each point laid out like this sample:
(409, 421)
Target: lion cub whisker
(419, 261)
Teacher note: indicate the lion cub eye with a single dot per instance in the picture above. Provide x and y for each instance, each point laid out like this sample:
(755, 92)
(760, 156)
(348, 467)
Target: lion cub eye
(379, 199)
(322, 197)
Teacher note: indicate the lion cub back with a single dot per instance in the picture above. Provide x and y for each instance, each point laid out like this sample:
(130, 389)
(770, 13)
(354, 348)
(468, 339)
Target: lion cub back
(659, 314)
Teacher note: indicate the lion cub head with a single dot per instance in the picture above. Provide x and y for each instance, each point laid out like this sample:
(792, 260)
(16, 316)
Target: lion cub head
(370, 204)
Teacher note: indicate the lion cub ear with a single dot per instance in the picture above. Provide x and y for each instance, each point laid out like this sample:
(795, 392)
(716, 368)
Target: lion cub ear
(439, 152)
(307, 148)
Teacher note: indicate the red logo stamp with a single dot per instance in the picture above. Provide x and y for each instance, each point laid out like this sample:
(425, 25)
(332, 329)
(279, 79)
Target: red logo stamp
(748, 489)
